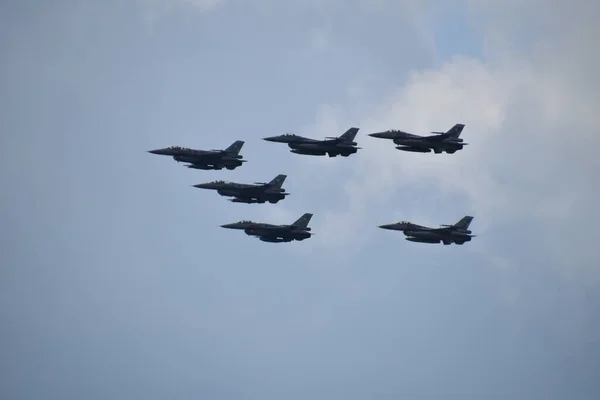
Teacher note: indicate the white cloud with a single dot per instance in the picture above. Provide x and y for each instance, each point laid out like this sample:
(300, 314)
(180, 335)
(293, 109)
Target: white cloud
(531, 121)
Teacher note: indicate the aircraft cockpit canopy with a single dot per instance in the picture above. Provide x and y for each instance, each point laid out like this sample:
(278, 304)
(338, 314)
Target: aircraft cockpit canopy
(177, 148)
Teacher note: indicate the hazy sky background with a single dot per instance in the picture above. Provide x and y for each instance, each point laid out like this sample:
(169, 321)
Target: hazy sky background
(116, 281)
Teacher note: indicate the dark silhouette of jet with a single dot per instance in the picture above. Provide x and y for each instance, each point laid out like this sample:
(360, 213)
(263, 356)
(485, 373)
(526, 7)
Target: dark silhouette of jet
(259, 192)
(458, 233)
(206, 159)
(299, 230)
(332, 146)
(449, 141)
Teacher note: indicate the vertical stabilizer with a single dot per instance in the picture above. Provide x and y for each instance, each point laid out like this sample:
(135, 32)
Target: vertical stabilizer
(303, 221)
(464, 222)
(235, 147)
(455, 131)
(349, 135)
(278, 181)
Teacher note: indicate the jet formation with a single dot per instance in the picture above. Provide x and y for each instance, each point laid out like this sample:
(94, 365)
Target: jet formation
(344, 145)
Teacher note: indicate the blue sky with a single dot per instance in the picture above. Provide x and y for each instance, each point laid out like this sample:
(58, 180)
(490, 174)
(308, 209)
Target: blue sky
(117, 282)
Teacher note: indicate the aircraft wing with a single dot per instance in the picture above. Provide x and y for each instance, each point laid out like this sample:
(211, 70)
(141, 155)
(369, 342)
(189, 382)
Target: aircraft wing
(309, 140)
(329, 141)
(202, 155)
(441, 229)
(249, 190)
(434, 138)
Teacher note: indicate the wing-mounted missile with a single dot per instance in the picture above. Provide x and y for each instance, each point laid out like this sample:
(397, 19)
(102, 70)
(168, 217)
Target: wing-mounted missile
(414, 149)
(200, 166)
(247, 201)
(270, 240)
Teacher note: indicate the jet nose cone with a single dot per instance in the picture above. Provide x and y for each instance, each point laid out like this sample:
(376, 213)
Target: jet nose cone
(388, 226)
(161, 152)
(271, 138)
(379, 135)
(203, 186)
(235, 225)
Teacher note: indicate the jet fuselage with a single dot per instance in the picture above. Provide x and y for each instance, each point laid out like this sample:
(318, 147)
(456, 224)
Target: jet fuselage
(424, 146)
(206, 159)
(249, 193)
(210, 161)
(299, 230)
(430, 236)
(272, 196)
(343, 145)
(278, 231)
(423, 234)
(319, 149)
(448, 142)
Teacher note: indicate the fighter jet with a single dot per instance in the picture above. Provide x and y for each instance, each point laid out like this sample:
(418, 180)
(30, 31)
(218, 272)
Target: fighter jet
(259, 192)
(299, 230)
(332, 146)
(458, 233)
(206, 159)
(439, 142)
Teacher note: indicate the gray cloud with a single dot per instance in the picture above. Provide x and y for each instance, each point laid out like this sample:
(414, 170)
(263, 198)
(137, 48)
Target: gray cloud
(116, 281)
(531, 153)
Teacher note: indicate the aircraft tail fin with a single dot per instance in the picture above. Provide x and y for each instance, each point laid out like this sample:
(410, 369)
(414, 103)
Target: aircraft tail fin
(278, 180)
(349, 135)
(455, 131)
(464, 222)
(303, 221)
(235, 147)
